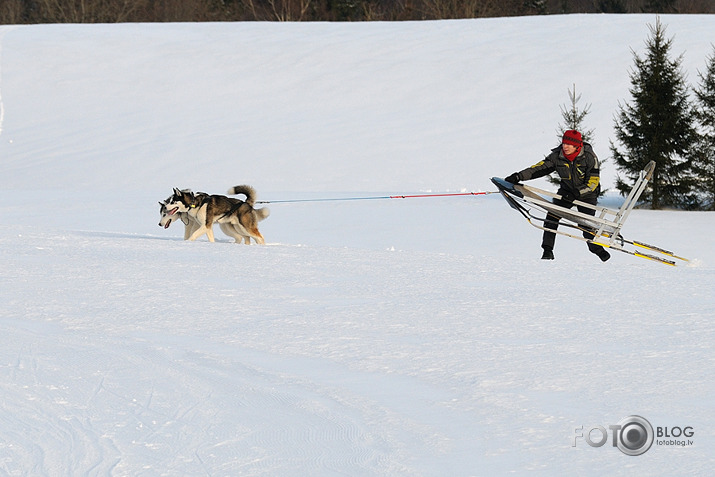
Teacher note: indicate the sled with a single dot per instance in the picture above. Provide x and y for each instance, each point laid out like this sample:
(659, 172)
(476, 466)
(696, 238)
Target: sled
(533, 203)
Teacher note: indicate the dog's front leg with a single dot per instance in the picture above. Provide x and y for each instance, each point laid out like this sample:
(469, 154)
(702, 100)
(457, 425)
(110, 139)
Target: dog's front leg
(189, 229)
(199, 232)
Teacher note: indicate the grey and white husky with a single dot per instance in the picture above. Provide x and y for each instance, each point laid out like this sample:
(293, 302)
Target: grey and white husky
(199, 211)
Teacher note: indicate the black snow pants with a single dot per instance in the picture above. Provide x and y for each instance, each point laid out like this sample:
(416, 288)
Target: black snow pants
(552, 222)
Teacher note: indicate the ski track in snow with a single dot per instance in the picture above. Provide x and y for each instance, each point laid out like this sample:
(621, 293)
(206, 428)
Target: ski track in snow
(298, 362)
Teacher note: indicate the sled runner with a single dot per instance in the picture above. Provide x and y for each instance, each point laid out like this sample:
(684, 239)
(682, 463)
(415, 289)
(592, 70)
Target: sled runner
(606, 225)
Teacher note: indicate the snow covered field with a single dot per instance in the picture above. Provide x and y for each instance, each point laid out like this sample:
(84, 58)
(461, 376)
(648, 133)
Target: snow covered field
(377, 337)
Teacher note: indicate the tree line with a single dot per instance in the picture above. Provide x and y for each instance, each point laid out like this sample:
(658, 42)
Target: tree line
(667, 121)
(114, 11)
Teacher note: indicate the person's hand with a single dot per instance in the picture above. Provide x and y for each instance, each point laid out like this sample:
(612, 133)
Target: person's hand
(513, 179)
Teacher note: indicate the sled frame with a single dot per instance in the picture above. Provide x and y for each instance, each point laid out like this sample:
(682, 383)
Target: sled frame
(606, 224)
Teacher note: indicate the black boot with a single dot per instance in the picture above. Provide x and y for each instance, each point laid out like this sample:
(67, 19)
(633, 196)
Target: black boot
(603, 255)
(548, 254)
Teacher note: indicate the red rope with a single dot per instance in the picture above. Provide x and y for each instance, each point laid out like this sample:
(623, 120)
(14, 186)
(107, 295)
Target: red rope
(373, 198)
(438, 195)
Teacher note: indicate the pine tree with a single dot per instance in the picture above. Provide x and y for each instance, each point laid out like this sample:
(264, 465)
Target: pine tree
(705, 151)
(657, 126)
(573, 117)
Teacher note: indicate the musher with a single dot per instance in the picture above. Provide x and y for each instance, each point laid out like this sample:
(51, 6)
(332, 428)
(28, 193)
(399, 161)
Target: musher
(578, 169)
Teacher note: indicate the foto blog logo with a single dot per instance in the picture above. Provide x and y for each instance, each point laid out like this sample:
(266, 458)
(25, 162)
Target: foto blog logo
(633, 435)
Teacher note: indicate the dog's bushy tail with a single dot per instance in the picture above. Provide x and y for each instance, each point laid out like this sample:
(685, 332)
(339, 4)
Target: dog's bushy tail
(246, 190)
(262, 213)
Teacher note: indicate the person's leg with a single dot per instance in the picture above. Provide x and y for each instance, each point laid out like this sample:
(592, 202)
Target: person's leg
(552, 223)
(587, 234)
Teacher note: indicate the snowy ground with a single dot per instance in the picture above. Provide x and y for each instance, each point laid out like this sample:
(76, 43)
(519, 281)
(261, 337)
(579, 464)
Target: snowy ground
(376, 337)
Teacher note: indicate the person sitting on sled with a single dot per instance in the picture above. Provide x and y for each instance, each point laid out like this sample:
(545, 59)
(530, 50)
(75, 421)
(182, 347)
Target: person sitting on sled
(578, 169)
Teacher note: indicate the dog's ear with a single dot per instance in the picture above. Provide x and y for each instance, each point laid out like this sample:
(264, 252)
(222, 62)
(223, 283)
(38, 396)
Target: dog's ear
(177, 191)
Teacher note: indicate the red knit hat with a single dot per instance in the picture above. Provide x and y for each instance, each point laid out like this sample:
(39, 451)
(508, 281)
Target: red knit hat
(572, 137)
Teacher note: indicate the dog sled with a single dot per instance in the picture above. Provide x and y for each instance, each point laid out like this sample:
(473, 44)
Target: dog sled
(605, 225)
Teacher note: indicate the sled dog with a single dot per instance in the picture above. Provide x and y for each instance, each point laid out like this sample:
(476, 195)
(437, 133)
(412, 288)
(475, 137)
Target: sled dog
(199, 211)
(169, 216)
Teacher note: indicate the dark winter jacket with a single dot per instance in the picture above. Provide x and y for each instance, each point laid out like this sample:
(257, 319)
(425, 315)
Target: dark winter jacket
(581, 178)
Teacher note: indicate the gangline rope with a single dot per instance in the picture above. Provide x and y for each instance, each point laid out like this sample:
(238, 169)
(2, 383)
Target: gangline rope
(381, 197)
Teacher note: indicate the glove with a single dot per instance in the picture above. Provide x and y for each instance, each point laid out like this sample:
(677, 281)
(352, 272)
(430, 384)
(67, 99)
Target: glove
(514, 178)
